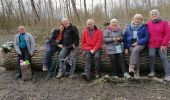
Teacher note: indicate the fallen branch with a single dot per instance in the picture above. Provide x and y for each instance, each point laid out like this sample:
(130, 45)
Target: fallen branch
(108, 78)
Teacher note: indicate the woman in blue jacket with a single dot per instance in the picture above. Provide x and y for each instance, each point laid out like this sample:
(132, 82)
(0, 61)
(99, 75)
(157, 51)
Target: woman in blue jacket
(135, 38)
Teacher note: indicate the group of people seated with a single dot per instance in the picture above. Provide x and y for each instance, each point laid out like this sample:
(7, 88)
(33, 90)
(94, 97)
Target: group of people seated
(65, 40)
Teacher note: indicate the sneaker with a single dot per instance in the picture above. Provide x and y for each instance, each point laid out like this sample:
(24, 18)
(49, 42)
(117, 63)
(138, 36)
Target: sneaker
(44, 68)
(126, 75)
(136, 76)
(167, 78)
(60, 75)
(151, 74)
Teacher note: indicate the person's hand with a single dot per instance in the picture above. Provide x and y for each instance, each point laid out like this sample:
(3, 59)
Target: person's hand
(32, 54)
(134, 44)
(126, 51)
(92, 51)
(118, 38)
(84, 52)
(60, 45)
(74, 46)
(163, 48)
(114, 39)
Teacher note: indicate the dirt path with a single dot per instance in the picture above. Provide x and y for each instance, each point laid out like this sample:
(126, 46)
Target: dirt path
(77, 89)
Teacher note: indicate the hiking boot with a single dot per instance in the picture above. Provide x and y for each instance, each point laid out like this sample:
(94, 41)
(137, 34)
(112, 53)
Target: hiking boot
(136, 74)
(86, 77)
(126, 75)
(167, 78)
(71, 76)
(97, 76)
(18, 76)
(44, 68)
(151, 74)
(131, 69)
(60, 75)
(48, 76)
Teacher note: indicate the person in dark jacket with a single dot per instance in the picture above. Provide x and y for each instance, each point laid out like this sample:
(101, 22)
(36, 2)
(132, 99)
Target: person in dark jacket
(70, 44)
(135, 39)
(113, 38)
(53, 44)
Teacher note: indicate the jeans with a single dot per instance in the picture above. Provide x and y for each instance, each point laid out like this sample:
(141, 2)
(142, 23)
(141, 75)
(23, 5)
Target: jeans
(164, 59)
(64, 52)
(88, 63)
(113, 64)
(25, 56)
(49, 51)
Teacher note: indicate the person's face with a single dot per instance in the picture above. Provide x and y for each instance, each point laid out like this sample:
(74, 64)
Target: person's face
(66, 23)
(114, 26)
(61, 27)
(154, 16)
(90, 25)
(137, 21)
(22, 30)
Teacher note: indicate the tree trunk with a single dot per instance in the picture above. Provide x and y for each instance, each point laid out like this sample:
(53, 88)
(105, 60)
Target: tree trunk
(4, 16)
(20, 10)
(67, 8)
(85, 8)
(92, 7)
(9, 60)
(75, 10)
(105, 10)
(149, 5)
(34, 10)
(126, 10)
(51, 11)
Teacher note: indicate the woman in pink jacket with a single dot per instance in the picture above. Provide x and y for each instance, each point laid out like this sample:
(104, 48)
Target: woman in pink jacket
(158, 42)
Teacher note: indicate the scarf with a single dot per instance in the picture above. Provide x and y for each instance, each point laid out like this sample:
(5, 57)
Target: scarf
(157, 20)
(135, 27)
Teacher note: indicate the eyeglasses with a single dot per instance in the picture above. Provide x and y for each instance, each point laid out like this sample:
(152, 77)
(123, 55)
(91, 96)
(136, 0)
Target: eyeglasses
(154, 14)
(90, 24)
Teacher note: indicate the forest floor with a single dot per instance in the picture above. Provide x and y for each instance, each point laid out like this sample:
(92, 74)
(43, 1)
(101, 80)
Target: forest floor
(78, 89)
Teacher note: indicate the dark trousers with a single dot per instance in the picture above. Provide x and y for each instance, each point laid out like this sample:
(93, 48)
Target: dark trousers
(25, 56)
(88, 63)
(49, 51)
(113, 59)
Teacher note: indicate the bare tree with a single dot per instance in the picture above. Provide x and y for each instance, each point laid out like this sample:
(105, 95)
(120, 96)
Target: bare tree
(51, 8)
(4, 17)
(92, 6)
(34, 10)
(67, 8)
(126, 10)
(105, 10)
(149, 5)
(85, 8)
(75, 10)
